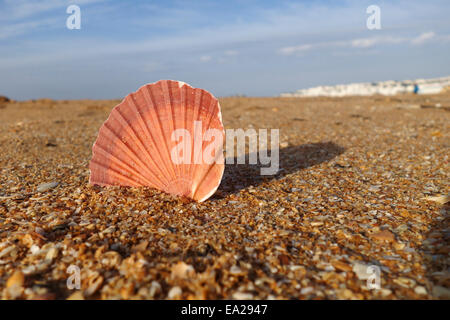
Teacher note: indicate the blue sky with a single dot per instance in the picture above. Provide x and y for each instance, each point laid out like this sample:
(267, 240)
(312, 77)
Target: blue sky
(257, 48)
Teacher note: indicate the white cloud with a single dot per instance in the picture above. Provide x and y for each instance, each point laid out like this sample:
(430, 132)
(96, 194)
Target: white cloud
(17, 16)
(20, 9)
(423, 37)
(231, 53)
(370, 42)
(21, 28)
(361, 43)
(309, 46)
(294, 49)
(364, 43)
(205, 58)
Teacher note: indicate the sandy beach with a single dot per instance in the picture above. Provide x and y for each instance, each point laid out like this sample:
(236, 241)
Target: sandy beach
(357, 187)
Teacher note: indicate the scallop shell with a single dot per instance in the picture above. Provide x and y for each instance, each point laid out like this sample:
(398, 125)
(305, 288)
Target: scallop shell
(158, 137)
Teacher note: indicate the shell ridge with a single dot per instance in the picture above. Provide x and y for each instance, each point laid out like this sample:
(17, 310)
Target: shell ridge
(196, 117)
(126, 148)
(148, 134)
(141, 145)
(168, 96)
(199, 170)
(150, 99)
(117, 174)
(183, 97)
(210, 117)
(99, 150)
(203, 179)
(213, 190)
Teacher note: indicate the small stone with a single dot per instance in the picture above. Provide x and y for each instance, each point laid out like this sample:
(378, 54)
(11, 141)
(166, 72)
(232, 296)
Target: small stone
(51, 254)
(402, 228)
(181, 270)
(342, 266)
(14, 292)
(140, 247)
(385, 292)
(405, 282)
(155, 288)
(420, 290)
(442, 199)
(127, 291)
(5, 252)
(409, 106)
(77, 295)
(34, 249)
(175, 292)
(345, 294)
(47, 186)
(441, 292)
(242, 296)
(305, 291)
(235, 270)
(110, 229)
(360, 270)
(40, 231)
(384, 235)
(94, 284)
(29, 270)
(16, 279)
(111, 259)
(284, 259)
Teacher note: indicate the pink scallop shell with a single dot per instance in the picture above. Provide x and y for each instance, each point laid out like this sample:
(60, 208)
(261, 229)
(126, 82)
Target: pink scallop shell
(134, 145)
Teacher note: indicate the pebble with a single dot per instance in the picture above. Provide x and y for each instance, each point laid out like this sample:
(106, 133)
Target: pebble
(345, 294)
(77, 295)
(16, 279)
(94, 284)
(342, 266)
(182, 270)
(402, 228)
(242, 296)
(441, 292)
(305, 291)
(360, 270)
(5, 252)
(235, 270)
(420, 290)
(34, 249)
(442, 199)
(175, 292)
(155, 288)
(385, 292)
(51, 254)
(383, 236)
(405, 282)
(47, 186)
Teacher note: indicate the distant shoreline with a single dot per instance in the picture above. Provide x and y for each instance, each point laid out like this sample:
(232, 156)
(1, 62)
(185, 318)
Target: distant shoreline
(389, 88)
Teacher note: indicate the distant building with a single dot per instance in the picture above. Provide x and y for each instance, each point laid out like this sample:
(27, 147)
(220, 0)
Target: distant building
(388, 88)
